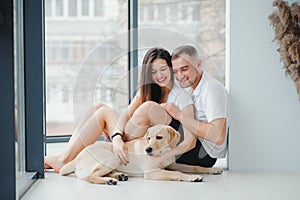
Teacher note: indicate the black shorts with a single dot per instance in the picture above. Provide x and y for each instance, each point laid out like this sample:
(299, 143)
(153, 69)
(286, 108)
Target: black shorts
(175, 124)
(196, 156)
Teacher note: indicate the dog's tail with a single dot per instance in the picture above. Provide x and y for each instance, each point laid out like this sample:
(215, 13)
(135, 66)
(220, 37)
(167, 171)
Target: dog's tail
(68, 168)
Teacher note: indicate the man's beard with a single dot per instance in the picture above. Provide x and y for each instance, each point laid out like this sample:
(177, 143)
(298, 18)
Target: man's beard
(187, 83)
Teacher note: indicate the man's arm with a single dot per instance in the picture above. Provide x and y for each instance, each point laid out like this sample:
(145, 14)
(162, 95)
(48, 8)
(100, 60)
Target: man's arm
(214, 131)
(189, 141)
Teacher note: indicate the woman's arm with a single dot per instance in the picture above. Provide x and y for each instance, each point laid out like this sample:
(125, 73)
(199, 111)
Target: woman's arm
(119, 146)
(124, 118)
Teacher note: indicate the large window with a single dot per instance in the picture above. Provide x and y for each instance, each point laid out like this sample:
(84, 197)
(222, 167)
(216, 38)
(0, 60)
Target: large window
(87, 48)
(85, 61)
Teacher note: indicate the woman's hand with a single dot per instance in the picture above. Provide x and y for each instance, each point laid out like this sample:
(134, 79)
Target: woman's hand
(120, 149)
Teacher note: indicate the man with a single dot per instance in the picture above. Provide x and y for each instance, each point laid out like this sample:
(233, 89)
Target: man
(209, 97)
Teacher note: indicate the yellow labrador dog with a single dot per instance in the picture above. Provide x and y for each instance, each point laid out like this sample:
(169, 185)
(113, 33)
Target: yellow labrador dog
(98, 164)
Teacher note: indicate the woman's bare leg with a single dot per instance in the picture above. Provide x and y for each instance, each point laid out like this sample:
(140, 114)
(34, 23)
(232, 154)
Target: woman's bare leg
(81, 123)
(103, 120)
(149, 113)
(96, 107)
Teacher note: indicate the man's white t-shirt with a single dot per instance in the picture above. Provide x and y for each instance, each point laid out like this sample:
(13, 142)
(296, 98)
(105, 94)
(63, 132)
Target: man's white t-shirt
(210, 99)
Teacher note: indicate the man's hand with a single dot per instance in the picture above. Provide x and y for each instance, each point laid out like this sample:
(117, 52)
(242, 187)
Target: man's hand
(172, 110)
(157, 161)
(120, 149)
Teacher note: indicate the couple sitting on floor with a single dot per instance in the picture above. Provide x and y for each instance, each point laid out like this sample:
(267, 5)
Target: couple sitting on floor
(160, 100)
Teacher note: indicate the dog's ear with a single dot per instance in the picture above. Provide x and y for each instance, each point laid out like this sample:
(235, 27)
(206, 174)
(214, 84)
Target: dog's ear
(146, 134)
(174, 136)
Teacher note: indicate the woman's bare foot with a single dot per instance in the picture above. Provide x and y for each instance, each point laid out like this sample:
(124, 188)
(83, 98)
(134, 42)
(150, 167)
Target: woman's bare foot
(46, 166)
(53, 162)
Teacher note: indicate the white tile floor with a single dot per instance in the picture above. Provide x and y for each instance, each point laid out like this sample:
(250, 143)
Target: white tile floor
(230, 185)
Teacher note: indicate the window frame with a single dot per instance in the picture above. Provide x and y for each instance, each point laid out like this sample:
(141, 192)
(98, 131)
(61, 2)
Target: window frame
(34, 112)
(7, 131)
(34, 72)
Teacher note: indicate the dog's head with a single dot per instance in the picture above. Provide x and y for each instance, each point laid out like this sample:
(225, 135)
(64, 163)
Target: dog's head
(160, 138)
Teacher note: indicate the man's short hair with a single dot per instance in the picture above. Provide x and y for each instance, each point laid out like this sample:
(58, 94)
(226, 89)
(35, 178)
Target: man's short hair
(184, 49)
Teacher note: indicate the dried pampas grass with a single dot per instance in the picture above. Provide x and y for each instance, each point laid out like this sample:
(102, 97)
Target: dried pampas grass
(286, 25)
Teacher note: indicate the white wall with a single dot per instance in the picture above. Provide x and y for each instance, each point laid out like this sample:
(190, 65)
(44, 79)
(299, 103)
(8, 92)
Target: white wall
(264, 110)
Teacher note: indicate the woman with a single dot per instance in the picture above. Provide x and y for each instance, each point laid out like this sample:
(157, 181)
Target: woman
(156, 86)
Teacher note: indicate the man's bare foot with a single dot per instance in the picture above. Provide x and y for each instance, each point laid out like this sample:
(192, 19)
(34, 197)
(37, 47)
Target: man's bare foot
(53, 162)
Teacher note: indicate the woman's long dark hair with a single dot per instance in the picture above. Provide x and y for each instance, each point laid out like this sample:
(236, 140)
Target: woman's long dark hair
(149, 90)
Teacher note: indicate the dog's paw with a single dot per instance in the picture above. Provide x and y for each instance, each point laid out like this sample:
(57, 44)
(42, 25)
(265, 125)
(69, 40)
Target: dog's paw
(122, 177)
(111, 181)
(196, 178)
(215, 170)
